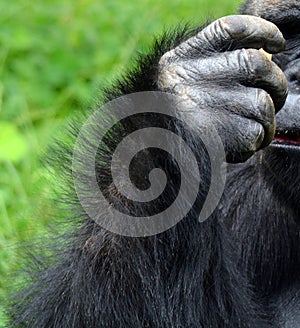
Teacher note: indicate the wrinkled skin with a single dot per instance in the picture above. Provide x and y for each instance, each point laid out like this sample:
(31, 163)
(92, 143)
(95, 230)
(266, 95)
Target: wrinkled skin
(222, 68)
(286, 15)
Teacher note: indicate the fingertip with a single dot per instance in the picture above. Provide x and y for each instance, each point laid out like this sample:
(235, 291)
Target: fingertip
(276, 43)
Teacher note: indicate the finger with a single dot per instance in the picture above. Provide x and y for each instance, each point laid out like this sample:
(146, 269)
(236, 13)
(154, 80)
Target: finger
(242, 139)
(240, 102)
(234, 32)
(265, 74)
(269, 56)
(241, 136)
(247, 67)
(253, 104)
(257, 105)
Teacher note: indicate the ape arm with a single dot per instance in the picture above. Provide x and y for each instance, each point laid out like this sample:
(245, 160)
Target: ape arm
(186, 276)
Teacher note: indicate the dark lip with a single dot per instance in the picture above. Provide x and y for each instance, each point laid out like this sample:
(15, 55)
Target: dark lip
(285, 146)
(286, 142)
(287, 137)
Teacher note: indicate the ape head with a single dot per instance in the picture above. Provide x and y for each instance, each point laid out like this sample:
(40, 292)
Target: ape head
(286, 15)
(283, 154)
(277, 11)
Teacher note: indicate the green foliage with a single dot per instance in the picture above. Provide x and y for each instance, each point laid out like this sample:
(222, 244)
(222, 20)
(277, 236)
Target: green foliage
(54, 57)
(12, 144)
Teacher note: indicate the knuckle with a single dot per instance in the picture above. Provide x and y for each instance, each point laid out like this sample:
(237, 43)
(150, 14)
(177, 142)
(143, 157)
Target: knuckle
(264, 102)
(266, 115)
(170, 76)
(257, 63)
(258, 137)
(234, 25)
(252, 138)
(166, 59)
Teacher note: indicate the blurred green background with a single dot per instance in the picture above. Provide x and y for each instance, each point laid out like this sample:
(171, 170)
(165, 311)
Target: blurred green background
(54, 58)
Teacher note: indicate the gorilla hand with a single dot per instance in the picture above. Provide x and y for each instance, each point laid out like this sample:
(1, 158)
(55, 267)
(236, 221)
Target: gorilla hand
(221, 78)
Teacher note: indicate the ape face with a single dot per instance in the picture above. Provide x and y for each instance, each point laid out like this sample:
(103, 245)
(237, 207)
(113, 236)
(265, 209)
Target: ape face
(282, 156)
(286, 15)
(288, 119)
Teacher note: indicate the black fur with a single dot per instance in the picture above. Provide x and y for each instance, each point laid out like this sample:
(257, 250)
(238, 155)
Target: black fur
(236, 269)
(174, 279)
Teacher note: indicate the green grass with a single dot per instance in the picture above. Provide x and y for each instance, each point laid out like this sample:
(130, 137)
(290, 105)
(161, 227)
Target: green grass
(54, 57)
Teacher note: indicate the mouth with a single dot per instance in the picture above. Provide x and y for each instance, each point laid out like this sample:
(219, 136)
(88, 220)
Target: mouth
(287, 138)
